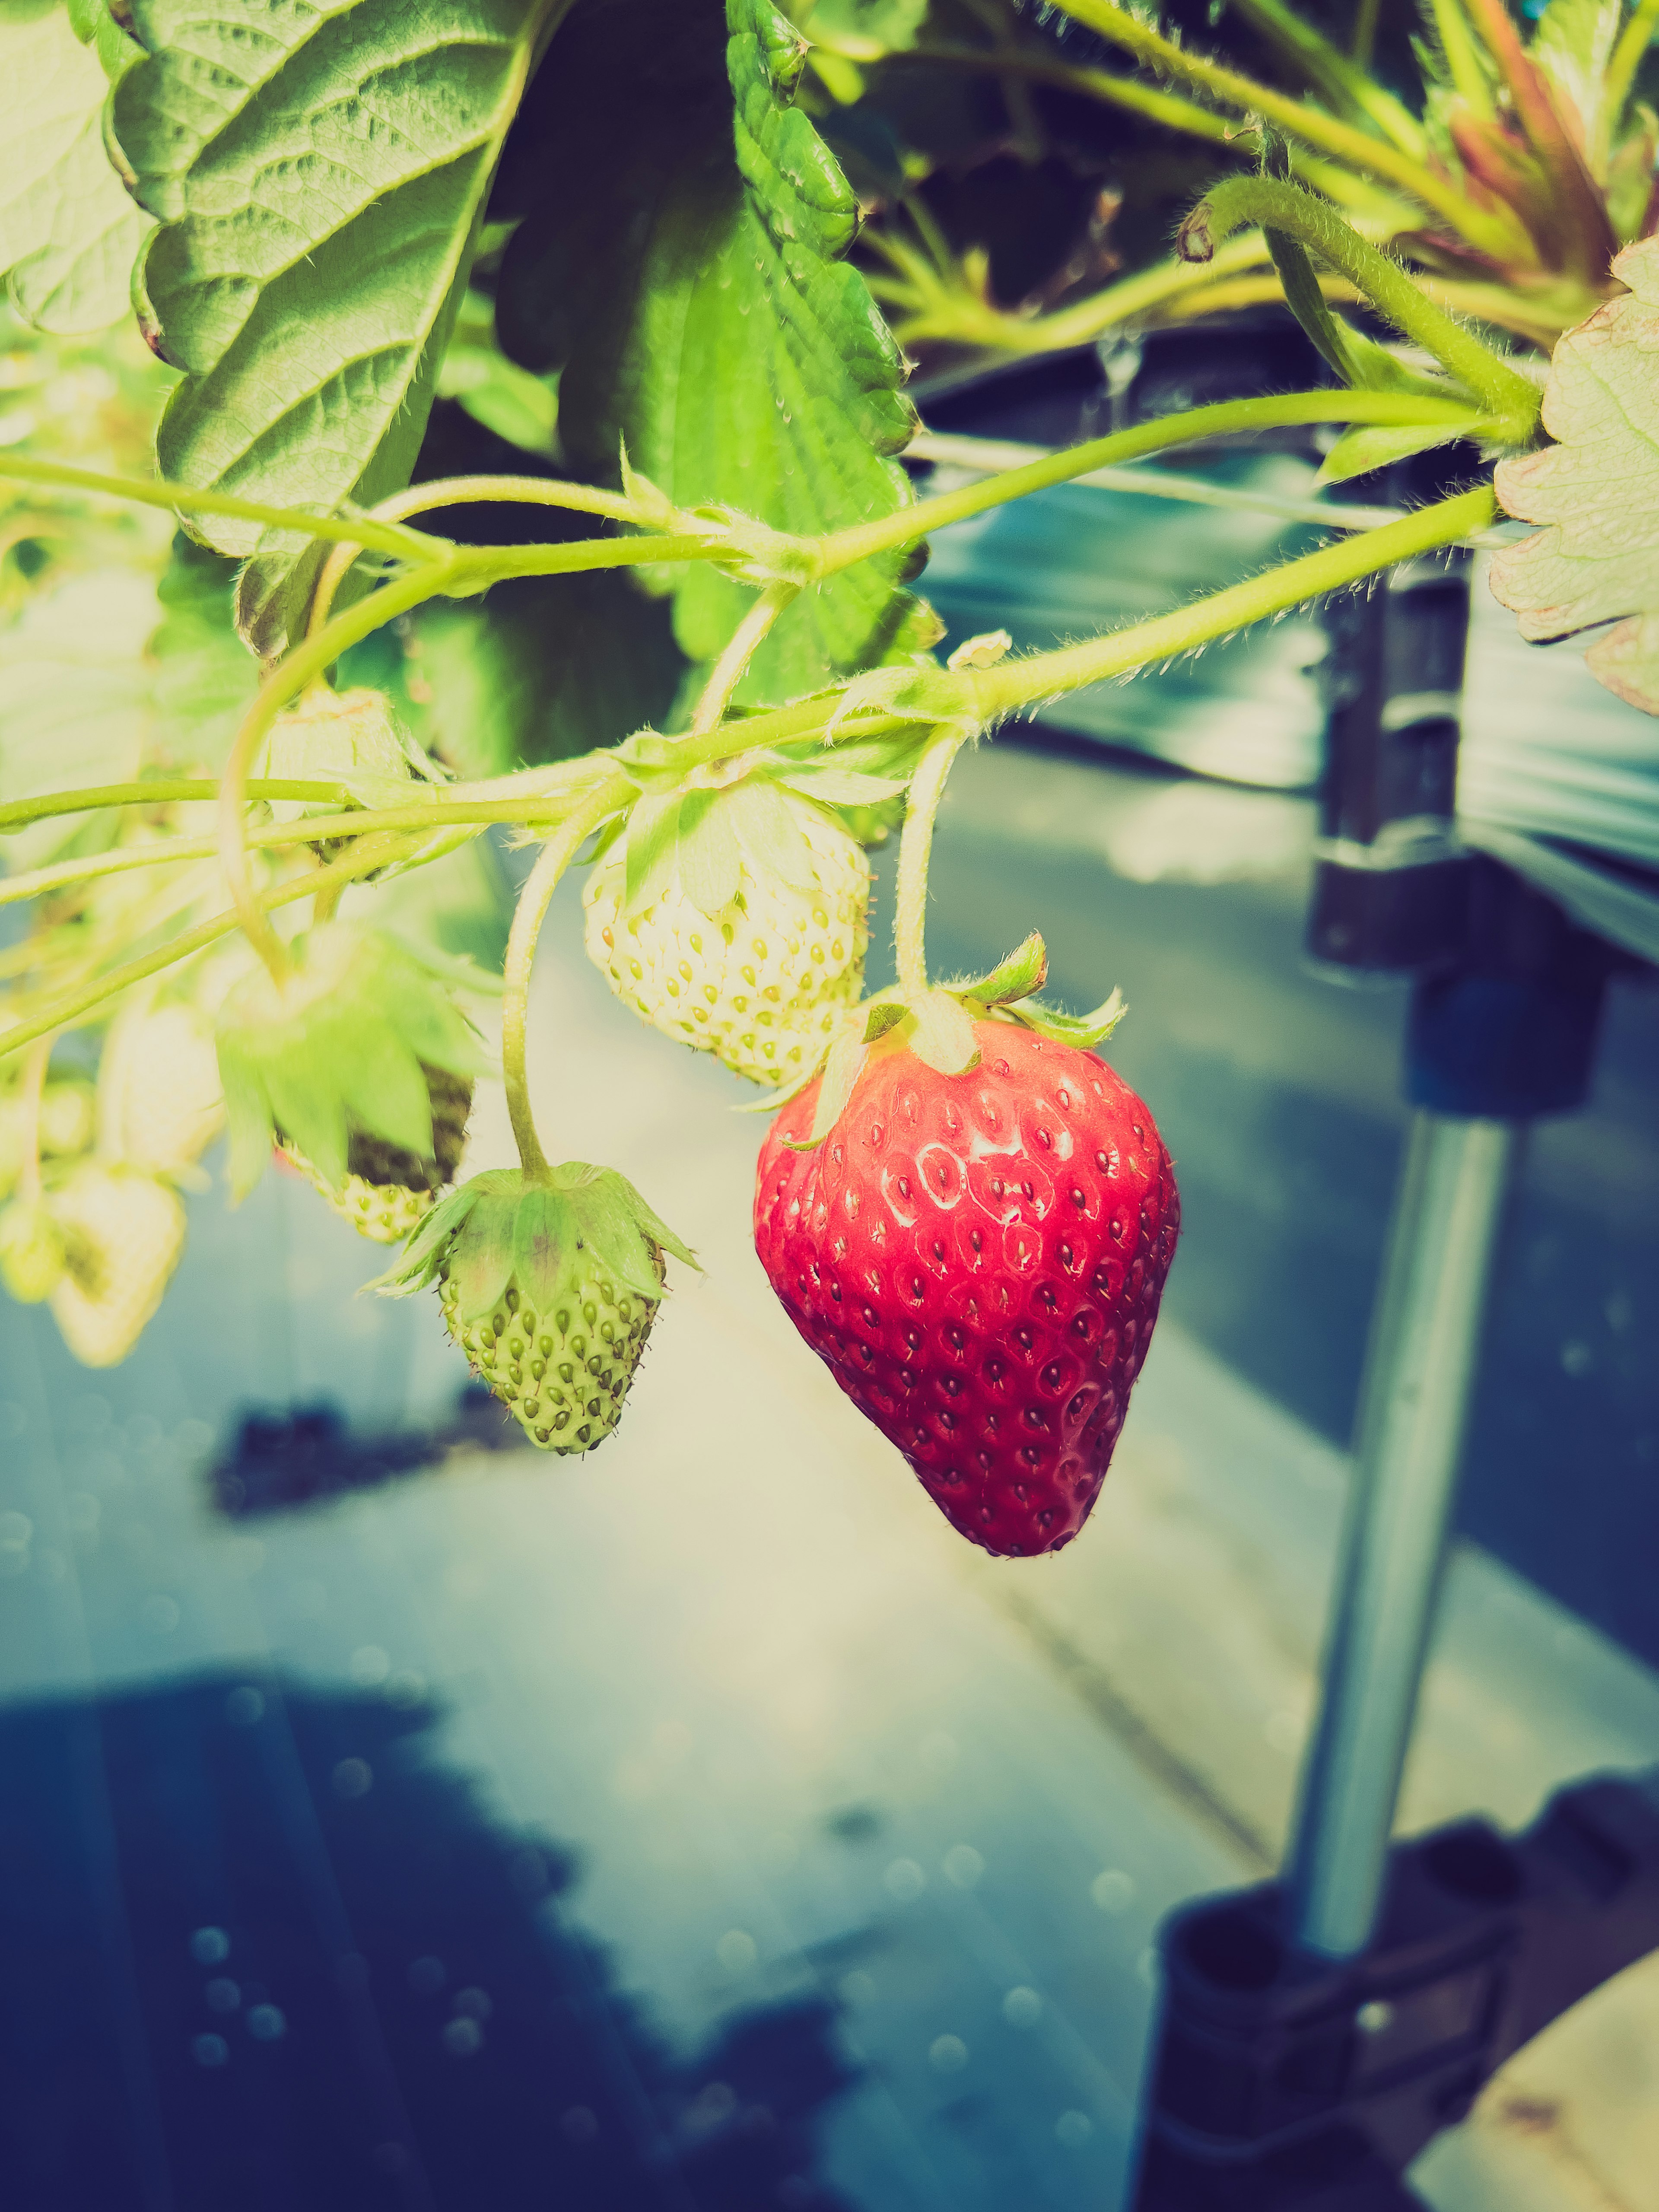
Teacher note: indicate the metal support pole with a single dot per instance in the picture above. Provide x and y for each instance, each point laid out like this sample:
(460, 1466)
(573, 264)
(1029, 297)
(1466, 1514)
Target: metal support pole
(1419, 1373)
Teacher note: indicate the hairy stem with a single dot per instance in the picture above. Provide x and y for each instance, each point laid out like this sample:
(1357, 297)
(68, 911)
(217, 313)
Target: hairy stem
(729, 669)
(1239, 201)
(554, 859)
(1375, 156)
(458, 491)
(1230, 418)
(916, 848)
(1020, 683)
(162, 792)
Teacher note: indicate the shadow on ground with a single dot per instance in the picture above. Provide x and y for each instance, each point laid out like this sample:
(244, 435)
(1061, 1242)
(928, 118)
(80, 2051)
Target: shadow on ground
(264, 1952)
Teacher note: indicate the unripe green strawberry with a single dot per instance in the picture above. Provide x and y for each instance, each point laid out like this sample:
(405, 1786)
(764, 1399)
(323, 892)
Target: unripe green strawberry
(550, 1288)
(124, 1233)
(388, 1192)
(761, 979)
(31, 1251)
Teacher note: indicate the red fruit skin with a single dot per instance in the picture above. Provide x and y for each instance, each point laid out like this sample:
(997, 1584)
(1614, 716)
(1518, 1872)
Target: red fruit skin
(978, 1259)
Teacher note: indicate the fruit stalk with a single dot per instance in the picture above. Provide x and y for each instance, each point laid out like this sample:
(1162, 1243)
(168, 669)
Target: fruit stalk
(555, 857)
(915, 849)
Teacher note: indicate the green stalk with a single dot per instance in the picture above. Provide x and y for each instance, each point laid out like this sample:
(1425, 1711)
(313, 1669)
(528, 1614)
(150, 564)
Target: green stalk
(1156, 105)
(1006, 689)
(1239, 201)
(1293, 116)
(916, 848)
(162, 792)
(185, 499)
(1230, 418)
(555, 857)
(1338, 77)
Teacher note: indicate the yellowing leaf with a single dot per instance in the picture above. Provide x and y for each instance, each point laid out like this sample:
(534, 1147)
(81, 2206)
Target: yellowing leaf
(1596, 491)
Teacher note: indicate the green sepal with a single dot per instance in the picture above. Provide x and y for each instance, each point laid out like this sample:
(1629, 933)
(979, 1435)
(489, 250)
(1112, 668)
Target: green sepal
(882, 1015)
(770, 834)
(942, 1033)
(338, 1046)
(1357, 452)
(538, 1252)
(1086, 1031)
(707, 863)
(419, 1260)
(1025, 970)
(653, 837)
(842, 1070)
(481, 1259)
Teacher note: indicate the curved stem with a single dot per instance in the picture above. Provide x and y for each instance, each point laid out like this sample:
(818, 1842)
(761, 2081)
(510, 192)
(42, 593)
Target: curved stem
(1296, 117)
(1241, 201)
(1230, 418)
(174, 791)
(302, 667)
(371, 853)
(728, 670)
(1155, 104)
(554, 859)
(458, 491)
(916, 848)
(185, 499)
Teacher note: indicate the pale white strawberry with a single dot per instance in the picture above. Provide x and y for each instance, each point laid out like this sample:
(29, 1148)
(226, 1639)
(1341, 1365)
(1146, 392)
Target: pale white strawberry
(124, 1232)
(162, 1069)
(764, 983)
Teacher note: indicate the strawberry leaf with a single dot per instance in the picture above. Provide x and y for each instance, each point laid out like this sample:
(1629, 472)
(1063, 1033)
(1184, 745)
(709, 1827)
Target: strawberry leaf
(686, 275)
(320, 173)
(1596, 490)
(69, 232)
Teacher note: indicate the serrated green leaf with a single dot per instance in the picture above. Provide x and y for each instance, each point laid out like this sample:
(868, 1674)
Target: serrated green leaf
(417, 1264)
(707, 865)
(1596, 490)
(842, 1070)
(686, 274)
(1356, 453)
(653, 829)
(537, 1247)
(1025, 970)
(69, 232)
(944, 1033)
(318, 173)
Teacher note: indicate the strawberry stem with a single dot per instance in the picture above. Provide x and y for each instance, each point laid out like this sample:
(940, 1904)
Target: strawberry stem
(555, 857)
(729, 669)
(915, 848)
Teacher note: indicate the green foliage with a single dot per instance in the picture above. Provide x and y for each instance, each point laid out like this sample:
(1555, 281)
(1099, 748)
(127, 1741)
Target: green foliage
(1596, 490)
(694, 294)
(318, 175)
(67, 231)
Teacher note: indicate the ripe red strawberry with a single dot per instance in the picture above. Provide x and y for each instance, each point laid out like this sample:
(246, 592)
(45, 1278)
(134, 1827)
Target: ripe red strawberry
(978, 1259)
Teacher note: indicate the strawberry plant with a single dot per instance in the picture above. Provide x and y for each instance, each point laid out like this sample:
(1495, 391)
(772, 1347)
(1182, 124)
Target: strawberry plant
(527, 394)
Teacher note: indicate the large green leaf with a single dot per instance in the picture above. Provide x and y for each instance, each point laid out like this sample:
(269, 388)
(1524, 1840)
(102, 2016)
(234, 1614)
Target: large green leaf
(68, 231)
(319, 169)
(686, 274)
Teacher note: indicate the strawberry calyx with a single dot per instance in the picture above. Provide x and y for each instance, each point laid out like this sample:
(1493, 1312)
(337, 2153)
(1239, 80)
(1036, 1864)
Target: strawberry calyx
(937, 1025)
(505, 1226)
(339, 1053)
